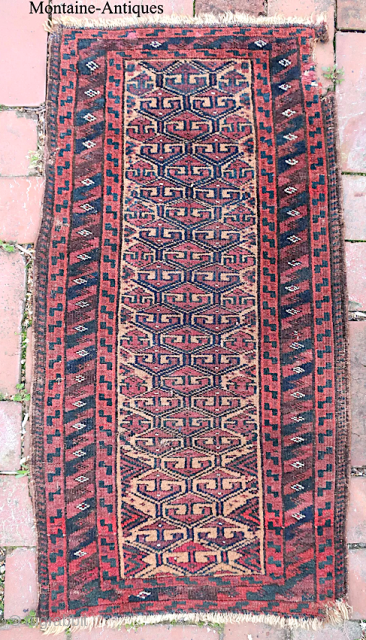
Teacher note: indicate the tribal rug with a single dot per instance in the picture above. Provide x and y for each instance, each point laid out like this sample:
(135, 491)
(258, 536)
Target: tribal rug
(190, 396)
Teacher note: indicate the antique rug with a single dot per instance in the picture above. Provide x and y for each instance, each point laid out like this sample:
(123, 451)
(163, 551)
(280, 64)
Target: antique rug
(190, 396)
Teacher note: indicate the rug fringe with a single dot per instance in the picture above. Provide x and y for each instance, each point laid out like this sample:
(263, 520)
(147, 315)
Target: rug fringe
(336, 613)
(229, 18)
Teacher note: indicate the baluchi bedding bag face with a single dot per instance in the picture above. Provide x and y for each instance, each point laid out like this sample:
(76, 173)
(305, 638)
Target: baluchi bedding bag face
(189, 418)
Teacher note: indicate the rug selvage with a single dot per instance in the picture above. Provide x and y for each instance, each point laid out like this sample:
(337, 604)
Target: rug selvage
(340, 319)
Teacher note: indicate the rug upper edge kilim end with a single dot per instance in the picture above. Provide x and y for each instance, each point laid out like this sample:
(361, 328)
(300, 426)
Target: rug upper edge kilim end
(318, 22)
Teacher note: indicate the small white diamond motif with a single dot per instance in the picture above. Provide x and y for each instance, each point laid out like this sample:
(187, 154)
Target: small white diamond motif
(297, 439)
(80, 328)
(294, 239)
(87, 182)
(91, 93)
(298, 394)
(293, 213)
(89, 117)
(92, 65)
(292, 312)
(78, 426)
(84, 256)
(260, 43)
(83, 506)
(298, 370)
(155, 44)
(82, 352)
(284, 62)
(82, 304)
(285, 87)
(79, 554)
(290, 190)
(288, 113)
(79, 280)
(296, 345)
(298, 516)
(81, 479)
(297, 464)
(79, 453)
(298, 418)
(291, 162)
(297, 487)
(291, 136)
(292, 288)
(79, 404)
(89, 144)
(87, 207)
(79, 378)
(84, 232)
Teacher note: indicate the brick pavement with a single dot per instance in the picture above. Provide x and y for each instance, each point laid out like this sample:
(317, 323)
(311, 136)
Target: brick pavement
(23, 41)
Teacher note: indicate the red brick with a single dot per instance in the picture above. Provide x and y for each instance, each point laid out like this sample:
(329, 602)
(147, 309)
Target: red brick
(23, 50)
(28, 386)
(22, 632)
(356, 515)
(351, 14)
(357, 583)
(149, 632)
(12, 293)
(351, 98)
(17, 527)
(346, 631)
(356, 273)
(20, 208)
(10, 424)
(296, 9)
(29, 360)
(324, 52)
(23, 41)
(354, 203)
(18, 136)
(27, 439)
(357, 349)
(20, 583)
(253, 7)
(251, 631)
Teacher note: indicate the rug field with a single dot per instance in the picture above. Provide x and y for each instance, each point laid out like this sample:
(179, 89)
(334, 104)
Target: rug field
(191, 387)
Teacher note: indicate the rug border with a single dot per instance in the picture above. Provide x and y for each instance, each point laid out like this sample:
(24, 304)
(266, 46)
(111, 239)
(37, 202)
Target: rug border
(39, 308)
(341, 340)
(338, 611)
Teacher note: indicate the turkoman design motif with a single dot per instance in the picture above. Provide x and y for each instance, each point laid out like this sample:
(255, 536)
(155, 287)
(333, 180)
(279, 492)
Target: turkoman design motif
(188, 361)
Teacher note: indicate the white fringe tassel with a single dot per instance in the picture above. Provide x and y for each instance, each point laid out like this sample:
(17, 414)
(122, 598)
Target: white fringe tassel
(335, 615)
(227, 19)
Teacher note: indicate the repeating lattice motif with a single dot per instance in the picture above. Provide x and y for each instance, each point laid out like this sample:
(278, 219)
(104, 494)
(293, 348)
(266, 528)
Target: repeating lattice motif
(188, 333)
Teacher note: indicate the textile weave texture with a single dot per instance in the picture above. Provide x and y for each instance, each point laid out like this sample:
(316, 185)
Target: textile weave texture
(190, 396)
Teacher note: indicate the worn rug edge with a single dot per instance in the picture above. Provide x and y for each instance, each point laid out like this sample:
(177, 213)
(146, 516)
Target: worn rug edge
(336, 614)
(341, 333)
(230, 19)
